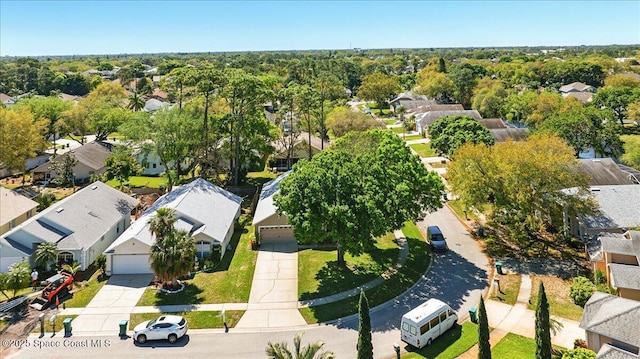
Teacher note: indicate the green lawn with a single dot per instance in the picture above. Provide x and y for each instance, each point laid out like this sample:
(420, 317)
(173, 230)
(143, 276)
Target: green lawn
(230, 282)
(514, 346)
(390, 121)
(19, 292)
(82, 296)
(423, 150)
(140, 181)
(319, 274)
(451, 344)
(557, 290)
(416, 265)
(48, 326)
(509, 286)
(195, 319)
(399, 129)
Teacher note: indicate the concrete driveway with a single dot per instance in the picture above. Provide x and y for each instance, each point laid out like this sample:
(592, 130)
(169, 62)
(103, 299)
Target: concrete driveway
(273, 301)
(113, 303)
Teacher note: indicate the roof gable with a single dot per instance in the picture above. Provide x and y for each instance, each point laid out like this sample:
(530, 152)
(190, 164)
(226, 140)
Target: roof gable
(612, 316)
(266, 208)
(13, 204)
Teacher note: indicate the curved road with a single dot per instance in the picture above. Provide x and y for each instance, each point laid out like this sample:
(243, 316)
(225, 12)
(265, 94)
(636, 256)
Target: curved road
(457, 277)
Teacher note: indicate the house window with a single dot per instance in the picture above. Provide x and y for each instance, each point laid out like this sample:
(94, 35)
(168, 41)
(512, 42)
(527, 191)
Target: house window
(203, 249)
(65, 257)
(154, 165)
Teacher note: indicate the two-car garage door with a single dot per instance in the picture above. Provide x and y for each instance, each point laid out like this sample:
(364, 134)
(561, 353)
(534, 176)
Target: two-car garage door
(276, 234)
(131, 264)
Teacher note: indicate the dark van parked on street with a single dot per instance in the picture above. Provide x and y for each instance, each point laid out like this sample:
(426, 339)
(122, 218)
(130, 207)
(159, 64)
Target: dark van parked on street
(436, 239)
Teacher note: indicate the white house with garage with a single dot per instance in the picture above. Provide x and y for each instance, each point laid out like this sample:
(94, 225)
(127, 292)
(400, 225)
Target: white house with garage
(269, 223)
(82, 226)
(206, 211)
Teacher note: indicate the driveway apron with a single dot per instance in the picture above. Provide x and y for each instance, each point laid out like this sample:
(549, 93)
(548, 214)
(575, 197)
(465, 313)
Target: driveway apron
(112, 304)
(273, 301)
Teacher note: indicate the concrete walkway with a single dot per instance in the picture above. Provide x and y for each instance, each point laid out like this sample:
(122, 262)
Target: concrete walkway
(519, 320)
(113, 303)
(273, 301)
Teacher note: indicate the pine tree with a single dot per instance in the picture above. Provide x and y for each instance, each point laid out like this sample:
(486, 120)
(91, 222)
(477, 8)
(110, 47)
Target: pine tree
(543, 331)
(483, 332)
(365, 346)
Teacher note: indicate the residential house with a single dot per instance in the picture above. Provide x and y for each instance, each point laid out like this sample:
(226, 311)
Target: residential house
(14, 209)
(91, 160)
(508, 133)
(618, 256)
(583, 97)
(492, 123)
(617, 211)
(576, 87)
(204, 210)
(435, 107)
(611, 326)
(81, 226)
(269, 223)
(159, 95)
(424, 120)
(409, 101)
(604, 171)
(279, 158)
(154, 105)
(7, 100)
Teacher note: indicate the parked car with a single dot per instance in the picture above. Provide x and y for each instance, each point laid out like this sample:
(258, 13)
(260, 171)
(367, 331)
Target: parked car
(436, 239)
(169, 327)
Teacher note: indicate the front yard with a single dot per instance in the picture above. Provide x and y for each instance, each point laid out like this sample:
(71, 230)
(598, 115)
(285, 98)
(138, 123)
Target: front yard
(229, 282)
(85, 291)
(423, 149)
(557, 290)
(319, 274)
(509, 287)
(416, 265)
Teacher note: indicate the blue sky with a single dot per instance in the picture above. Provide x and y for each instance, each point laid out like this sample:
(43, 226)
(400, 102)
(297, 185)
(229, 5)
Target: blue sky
(31, 28)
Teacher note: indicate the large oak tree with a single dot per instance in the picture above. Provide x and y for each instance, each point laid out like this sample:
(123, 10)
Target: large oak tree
(365, 185)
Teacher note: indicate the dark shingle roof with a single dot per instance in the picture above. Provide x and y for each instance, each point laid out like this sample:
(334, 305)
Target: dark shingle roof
(603, 171)
(618, 207)
(492, 123)
(427, 118)
(92, 155)
(503, 134)
(612, 316)
(610, 352)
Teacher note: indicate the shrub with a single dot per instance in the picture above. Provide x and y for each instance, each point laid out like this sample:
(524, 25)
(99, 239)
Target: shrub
(579, 343)
(579, 353)
(598, 277)
(581, 290)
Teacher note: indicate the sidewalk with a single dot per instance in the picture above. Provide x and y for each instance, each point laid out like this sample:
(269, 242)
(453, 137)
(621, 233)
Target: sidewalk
(519, 320)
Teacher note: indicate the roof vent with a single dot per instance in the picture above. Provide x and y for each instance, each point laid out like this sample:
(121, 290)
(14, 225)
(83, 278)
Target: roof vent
(59, 209)
(93, 214)
(595, 189)
(94, 187)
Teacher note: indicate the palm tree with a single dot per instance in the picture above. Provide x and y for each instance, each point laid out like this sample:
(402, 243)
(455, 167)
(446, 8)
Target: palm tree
(46, 253)
(400, 111)
(281, 350)
(162, 223)
(72, 268)
(173, 256)
(136, 103)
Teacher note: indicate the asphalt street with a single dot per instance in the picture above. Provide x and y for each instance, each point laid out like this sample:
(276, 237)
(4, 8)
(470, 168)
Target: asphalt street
(456, 277)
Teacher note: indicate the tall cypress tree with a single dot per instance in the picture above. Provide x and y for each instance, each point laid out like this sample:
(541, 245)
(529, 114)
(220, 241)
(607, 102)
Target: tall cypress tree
(543, 326)
(365, 346)
(484, 345)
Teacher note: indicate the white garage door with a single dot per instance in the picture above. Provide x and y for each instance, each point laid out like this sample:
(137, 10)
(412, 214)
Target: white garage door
(131, 264)
(276, 234)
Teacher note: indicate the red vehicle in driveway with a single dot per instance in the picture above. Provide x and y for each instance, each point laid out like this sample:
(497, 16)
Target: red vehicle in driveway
(58, 285)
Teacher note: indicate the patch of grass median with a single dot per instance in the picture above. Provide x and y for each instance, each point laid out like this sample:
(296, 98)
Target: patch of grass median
(557, 290)
(451, 344)
(195, 319)
(48, 325)
(319, 274)
(423, 149)
(229, 282)
(417, 263)
(509, 286)
(412, 137)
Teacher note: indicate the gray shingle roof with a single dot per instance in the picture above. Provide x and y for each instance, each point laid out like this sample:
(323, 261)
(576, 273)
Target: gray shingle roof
(92, 154)
(603, 171)
(265, 207)
(503, 134)
(13, 204)
(427, 118)
(79, 220)
(610, 352)
(492, 123)
(625, 276)
(612, 316)
(200, 206)
(616, 245)
(618, 207)
(576, 86)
